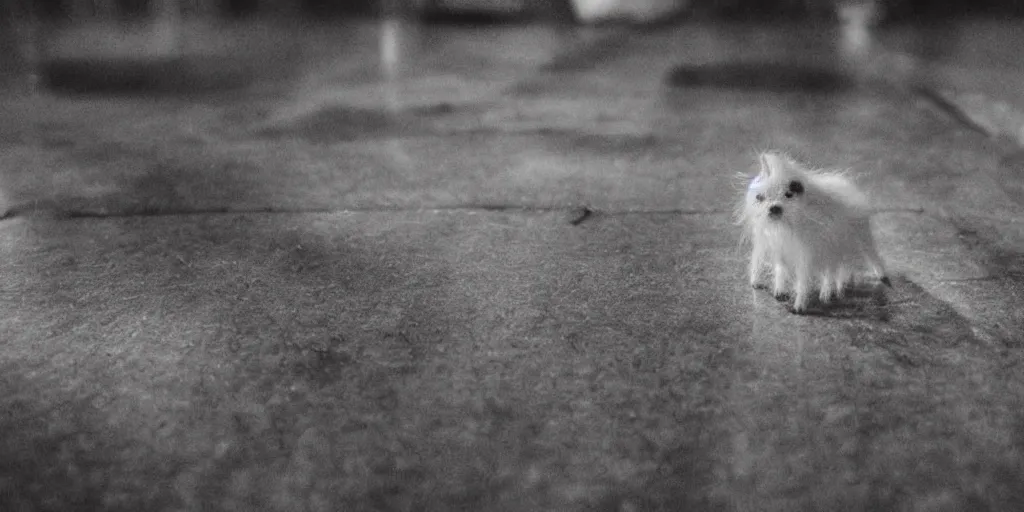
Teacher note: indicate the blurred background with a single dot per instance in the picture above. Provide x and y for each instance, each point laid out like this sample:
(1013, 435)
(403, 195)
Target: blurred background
(327, 255)
(581, 10)
(84, 44)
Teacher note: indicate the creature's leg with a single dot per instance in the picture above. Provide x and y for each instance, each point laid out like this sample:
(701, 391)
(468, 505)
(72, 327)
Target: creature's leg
(876, 265)
(842, 280)
(757, 264)
(870, 251)
(780, 274)
(802, 290)
(827, 282)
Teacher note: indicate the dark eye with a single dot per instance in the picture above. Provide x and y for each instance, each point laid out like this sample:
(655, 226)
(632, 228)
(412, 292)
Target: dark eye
(796, 187)
(759, 197)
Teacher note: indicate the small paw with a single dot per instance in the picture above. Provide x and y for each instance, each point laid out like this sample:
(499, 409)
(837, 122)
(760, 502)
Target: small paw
(781, 296)
(797, 311)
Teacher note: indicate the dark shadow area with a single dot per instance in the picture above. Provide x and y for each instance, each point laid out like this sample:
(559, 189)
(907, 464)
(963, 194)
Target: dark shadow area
(466, 12)
(909, 11)
(894, 10)
(587, 56)
(334, 8)
(57, 453)
(765, 76)
(918, 325)
(183, 76)
(156, 182)
(913, 319)
(442, 16)
(258, 57)
(865, 301)
(343, 124)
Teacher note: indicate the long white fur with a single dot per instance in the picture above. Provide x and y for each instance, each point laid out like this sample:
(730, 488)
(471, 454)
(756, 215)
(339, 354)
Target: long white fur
(822, 237)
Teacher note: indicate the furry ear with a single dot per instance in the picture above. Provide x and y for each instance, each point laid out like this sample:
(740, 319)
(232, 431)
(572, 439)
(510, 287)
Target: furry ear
(775, 162)
(766, 159)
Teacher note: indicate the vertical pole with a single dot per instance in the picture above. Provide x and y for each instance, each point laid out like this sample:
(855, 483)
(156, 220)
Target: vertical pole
(168, 27)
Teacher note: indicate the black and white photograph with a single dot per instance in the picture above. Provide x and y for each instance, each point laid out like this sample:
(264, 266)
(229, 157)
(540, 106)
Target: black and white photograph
(511, 255)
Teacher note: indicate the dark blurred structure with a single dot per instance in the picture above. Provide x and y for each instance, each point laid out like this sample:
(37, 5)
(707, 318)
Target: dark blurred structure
(892, 9)
(70, 9)
(741, 9)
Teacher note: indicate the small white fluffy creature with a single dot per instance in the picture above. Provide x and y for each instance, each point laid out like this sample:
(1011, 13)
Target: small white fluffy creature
(811, 227)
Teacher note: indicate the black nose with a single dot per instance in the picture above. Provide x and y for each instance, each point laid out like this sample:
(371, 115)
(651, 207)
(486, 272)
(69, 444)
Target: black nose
(774, 210)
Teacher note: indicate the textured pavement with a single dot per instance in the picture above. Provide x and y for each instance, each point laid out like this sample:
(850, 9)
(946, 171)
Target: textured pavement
(498, 271)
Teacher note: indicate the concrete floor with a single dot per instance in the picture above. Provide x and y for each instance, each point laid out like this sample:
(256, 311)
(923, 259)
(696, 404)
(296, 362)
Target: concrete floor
(458, 268)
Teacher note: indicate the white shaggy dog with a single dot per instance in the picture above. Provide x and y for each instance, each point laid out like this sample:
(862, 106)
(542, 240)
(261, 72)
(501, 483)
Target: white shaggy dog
(810, 227)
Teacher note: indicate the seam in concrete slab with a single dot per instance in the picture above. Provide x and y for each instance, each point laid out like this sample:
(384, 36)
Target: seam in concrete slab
(953, 109)
(899, 210)
(580, 213)
(983, 113)
(971, 96)
(969, 279)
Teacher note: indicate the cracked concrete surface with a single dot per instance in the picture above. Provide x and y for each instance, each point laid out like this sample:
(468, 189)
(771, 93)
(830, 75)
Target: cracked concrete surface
(498, 280)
